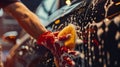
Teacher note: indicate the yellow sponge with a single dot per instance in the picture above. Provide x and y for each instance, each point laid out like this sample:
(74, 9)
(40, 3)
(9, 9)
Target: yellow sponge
(70, 29)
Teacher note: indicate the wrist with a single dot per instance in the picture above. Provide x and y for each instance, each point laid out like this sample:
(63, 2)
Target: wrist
(42, 37)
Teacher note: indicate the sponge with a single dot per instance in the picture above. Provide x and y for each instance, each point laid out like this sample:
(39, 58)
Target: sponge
(70, 42)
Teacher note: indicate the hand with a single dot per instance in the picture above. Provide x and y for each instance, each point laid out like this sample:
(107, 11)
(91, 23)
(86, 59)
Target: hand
(62, 54)
(4, 3)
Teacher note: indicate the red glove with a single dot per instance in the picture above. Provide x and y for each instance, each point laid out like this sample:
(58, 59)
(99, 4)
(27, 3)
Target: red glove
(62, 54)
(4, 3)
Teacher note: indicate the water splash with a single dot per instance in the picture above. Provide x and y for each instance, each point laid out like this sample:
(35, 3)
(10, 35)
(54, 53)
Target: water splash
(107, 5)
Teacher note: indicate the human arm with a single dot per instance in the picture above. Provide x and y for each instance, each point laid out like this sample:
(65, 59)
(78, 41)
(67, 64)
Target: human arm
(28, 20)
(32, 25)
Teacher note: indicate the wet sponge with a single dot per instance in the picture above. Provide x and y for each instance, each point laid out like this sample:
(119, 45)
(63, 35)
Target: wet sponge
(70, 29)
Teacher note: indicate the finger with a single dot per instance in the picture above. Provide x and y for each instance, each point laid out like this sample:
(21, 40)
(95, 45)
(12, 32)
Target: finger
(64, 49)
(64, 37)
(56, 33)
(69, 61)
(76, 54)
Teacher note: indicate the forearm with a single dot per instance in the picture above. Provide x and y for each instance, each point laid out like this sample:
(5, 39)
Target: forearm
(28, 20)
